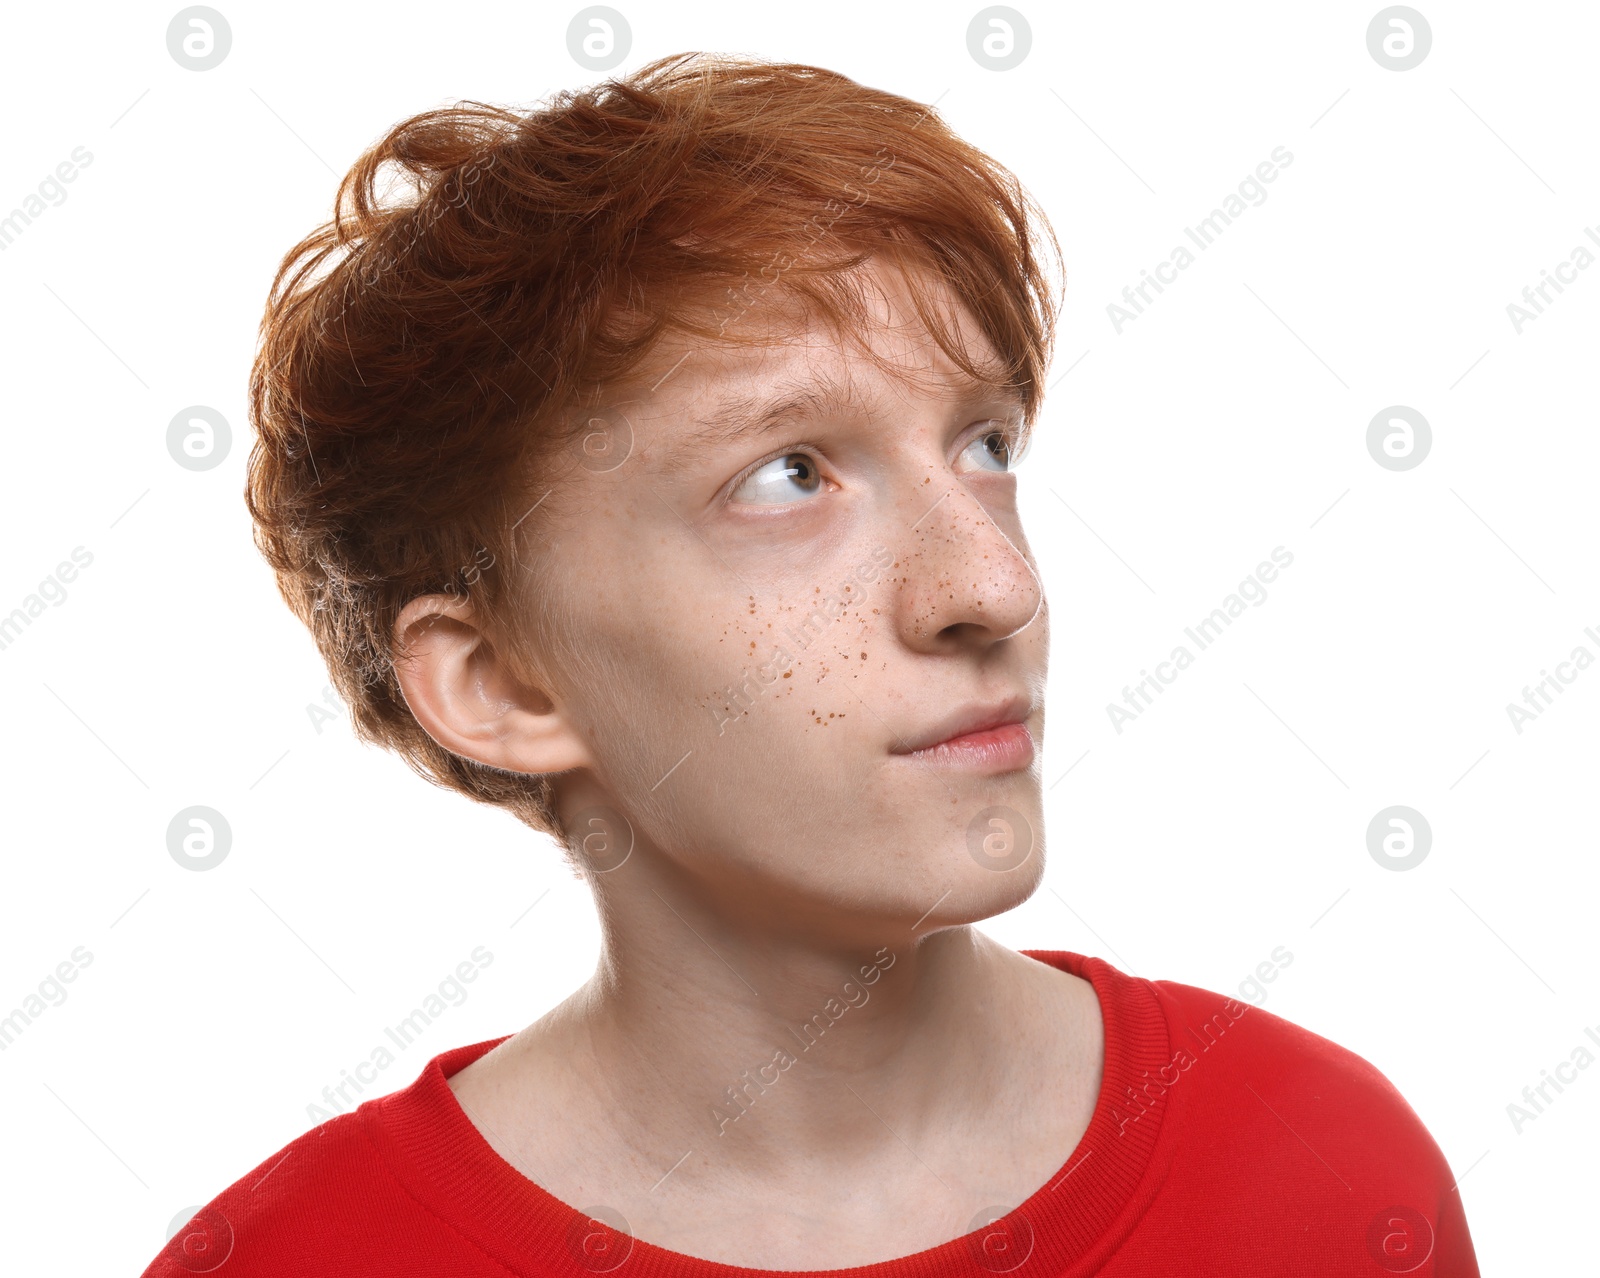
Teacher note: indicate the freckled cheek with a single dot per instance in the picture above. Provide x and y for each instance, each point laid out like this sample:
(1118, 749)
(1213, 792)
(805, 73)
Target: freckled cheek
(700, 654)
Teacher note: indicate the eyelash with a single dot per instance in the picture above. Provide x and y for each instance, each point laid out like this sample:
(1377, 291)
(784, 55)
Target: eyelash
(1009, 432)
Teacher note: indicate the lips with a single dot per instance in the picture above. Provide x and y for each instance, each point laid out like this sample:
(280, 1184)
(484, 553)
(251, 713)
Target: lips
(968, 718)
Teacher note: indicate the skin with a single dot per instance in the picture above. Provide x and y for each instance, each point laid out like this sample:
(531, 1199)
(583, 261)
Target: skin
(779, 848)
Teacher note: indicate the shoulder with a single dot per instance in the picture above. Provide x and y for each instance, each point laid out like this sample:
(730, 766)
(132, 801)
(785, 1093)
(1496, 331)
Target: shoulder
(344, 1199)
(1221, 1049)
(1203, 1022)
(311, 1207)
(1273, 1112)
(1259, 1077)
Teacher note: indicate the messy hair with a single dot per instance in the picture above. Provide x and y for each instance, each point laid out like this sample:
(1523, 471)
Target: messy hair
(432, 358)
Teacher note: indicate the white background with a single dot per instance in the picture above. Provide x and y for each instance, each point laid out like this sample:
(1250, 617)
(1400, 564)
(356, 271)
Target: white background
(1228, 419)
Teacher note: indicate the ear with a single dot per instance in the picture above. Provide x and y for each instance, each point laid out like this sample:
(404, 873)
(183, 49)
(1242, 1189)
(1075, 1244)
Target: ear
(470, 700)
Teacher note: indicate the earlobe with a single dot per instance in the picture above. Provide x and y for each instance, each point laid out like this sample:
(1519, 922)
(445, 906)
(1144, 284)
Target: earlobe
(469, 700)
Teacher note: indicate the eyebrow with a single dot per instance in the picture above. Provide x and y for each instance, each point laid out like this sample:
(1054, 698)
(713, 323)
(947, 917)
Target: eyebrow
(742, 416)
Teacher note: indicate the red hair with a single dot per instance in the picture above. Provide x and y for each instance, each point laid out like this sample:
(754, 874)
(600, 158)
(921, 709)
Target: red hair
(412, 400)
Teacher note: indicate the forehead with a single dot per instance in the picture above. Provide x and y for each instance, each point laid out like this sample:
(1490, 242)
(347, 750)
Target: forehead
(701, 394)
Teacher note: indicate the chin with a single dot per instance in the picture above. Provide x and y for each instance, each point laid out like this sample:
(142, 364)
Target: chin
(1006, 889)
(978, 892)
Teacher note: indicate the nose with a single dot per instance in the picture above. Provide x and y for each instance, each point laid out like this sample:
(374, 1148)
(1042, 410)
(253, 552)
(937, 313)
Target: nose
(960, 579)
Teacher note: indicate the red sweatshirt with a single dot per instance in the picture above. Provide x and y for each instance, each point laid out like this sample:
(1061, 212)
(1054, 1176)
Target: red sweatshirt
(1225, 1140)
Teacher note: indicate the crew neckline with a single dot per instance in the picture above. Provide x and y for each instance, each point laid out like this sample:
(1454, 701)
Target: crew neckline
(1069, 1225)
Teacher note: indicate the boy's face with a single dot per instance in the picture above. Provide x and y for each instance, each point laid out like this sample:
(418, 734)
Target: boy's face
(763, 624)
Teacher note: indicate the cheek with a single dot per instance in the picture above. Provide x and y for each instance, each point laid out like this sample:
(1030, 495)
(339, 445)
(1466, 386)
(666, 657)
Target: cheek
(688, 692)
(788, 652)
(796, 663)
(765, 697)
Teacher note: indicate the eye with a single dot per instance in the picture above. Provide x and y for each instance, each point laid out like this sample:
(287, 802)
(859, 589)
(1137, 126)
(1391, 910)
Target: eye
(992, 449)
(783, 479)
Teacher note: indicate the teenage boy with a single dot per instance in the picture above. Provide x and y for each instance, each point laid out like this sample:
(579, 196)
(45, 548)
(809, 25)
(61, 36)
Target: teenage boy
(649, 476)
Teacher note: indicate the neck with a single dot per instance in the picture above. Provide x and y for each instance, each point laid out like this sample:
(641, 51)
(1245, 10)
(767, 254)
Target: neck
(699, 1031)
